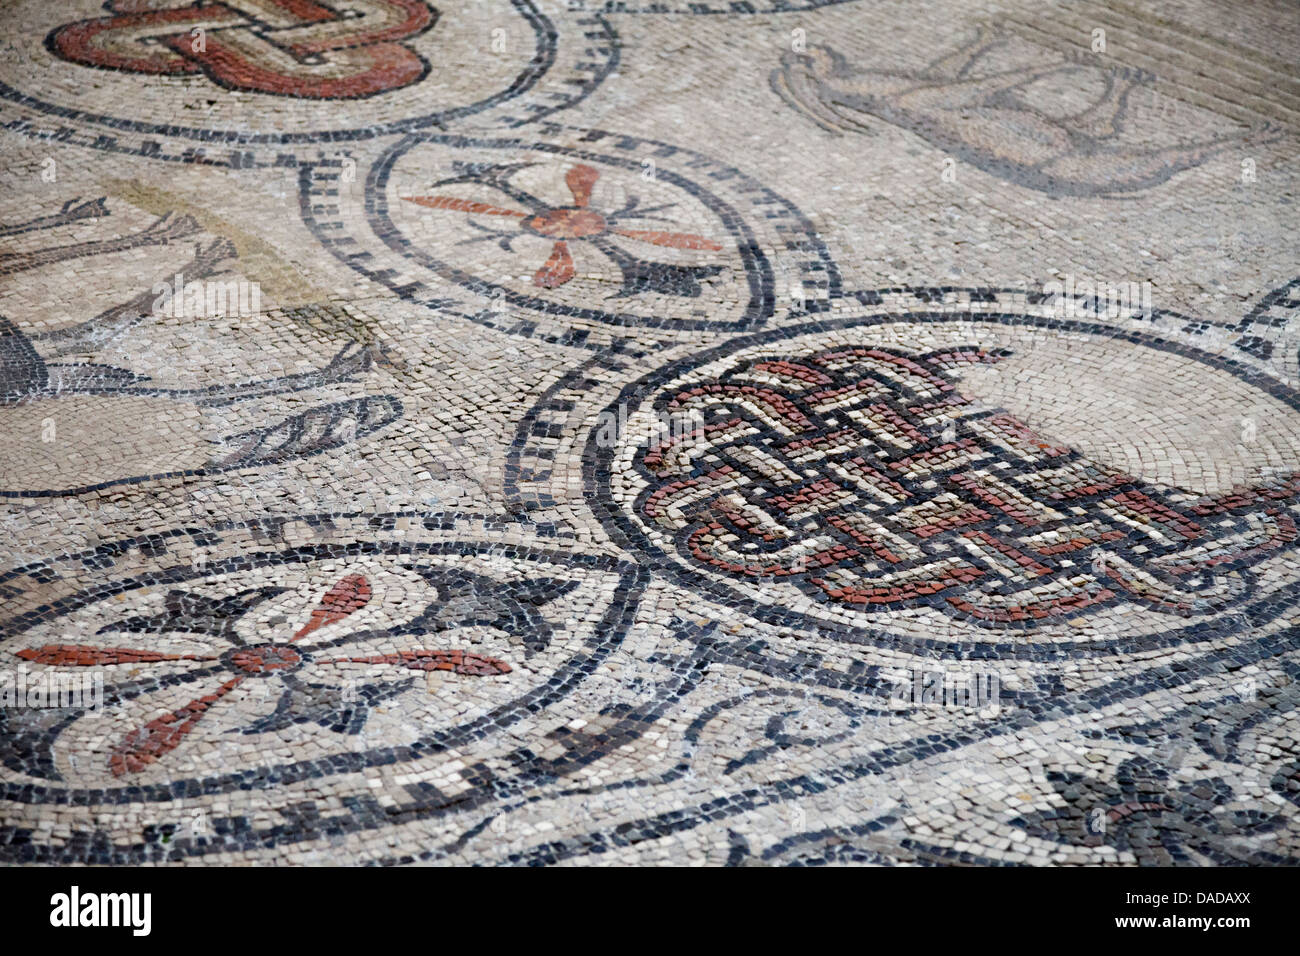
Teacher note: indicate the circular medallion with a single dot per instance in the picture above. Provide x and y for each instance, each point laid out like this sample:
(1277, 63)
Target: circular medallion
(295, 657)
(234, 76)
(569, 231)
(960, 479)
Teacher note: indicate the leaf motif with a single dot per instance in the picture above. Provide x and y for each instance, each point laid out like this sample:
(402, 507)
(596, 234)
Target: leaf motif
(457, 661)
(349, 595)
(80, 655)
(162, 735)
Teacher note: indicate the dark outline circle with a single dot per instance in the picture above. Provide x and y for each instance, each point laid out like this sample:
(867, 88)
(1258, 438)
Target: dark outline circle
(607, 635)
(624, 533)
(758, 271)
(543, 59)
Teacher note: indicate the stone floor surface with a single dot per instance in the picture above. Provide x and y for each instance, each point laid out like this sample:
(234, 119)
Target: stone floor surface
(606, 433)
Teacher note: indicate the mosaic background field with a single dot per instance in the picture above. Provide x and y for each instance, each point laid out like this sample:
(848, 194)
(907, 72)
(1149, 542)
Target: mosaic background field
(644, 413)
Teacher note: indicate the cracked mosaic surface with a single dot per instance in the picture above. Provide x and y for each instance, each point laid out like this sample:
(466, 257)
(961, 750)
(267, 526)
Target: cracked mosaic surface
(592, 433)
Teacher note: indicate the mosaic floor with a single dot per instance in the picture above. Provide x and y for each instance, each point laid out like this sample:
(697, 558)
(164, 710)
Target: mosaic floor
(721, 433)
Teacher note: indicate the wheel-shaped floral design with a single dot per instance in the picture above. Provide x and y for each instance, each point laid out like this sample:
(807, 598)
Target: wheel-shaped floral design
(289, 663)
(349, 652)
(566, 232)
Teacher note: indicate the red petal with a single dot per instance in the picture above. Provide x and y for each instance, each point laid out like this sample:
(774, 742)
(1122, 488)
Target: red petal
(580, 180)
(146, 744)
(81, 655)
(558, 269)
(351, 594)
(462, 205)
(675, 240)
(459, 662)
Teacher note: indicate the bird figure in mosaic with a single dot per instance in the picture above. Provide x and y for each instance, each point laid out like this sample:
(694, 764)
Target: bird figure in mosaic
(1010, 121)
(31, 370)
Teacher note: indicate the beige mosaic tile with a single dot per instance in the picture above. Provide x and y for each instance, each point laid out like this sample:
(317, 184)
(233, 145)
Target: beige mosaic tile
(595, 433)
